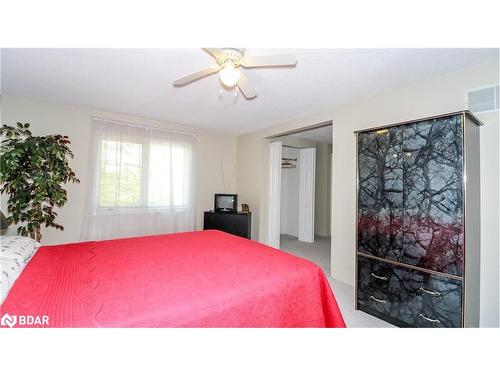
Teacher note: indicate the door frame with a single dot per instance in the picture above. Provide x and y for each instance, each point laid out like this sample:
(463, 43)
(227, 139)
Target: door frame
(272, 223)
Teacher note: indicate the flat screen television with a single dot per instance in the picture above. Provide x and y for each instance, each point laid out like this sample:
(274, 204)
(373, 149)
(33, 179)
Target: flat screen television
(226, 202)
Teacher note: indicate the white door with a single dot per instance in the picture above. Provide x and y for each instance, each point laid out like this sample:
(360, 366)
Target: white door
(273, 237)
(307, 173)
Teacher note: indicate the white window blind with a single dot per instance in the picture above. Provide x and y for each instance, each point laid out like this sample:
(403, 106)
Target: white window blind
(140, 182)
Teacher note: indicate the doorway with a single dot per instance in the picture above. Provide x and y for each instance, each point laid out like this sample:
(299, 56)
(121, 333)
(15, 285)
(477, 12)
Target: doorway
(300, 193)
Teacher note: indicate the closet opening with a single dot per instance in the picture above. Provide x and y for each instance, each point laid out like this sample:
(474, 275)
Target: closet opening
(301, 202)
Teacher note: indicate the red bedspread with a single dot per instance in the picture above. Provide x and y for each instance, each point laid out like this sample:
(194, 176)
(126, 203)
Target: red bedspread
(195, 279)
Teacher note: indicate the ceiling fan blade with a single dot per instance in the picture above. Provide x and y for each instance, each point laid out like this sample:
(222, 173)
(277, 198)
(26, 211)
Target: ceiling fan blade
(271, 60)
(193, 77)
(217, 53)
(245, 87)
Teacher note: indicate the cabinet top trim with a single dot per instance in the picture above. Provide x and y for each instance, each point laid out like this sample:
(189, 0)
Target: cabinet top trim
(467, 113)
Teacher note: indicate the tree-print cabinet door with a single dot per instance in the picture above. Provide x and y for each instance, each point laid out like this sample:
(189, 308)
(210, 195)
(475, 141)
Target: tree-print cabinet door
(432, 190)
(380, 193)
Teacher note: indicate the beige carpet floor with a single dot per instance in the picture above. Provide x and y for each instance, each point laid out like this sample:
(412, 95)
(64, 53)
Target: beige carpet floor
(319, 253)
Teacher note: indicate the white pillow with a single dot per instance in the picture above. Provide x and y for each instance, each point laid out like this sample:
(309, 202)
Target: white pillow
(10, 271)
(15, 253)
(18, 247)
(4, 284)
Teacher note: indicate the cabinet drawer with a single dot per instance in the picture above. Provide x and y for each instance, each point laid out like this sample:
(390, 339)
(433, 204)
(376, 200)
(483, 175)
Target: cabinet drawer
(406, 297)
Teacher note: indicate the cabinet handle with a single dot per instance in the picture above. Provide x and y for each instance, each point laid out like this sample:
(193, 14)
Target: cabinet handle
(378, 277)
(429, 319)
(432, 293)
(378, 300)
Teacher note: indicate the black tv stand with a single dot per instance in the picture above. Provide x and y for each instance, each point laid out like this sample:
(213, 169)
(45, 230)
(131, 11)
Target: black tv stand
(237, 223)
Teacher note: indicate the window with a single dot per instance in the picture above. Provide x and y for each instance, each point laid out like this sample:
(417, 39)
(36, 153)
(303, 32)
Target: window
(120, 174)
(123, 167)
(142, 176)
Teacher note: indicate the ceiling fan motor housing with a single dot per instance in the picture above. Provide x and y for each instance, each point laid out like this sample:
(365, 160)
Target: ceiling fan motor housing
(235, 55)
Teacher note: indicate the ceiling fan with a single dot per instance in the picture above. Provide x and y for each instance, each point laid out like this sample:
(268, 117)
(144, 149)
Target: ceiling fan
(230, 60)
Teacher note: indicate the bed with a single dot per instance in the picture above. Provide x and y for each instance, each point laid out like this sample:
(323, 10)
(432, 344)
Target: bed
(193, 279)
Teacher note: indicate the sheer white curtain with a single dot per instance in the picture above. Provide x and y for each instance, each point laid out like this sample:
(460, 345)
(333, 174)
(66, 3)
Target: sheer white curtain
(140, 181)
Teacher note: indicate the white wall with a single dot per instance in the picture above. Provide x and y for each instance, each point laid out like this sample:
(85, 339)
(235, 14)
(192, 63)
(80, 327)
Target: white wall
(75, 122)
(289, 209)
(429, 97)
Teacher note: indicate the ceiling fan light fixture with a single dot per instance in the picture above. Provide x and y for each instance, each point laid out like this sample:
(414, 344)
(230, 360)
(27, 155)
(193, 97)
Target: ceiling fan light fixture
(229, 63)
(229, 75)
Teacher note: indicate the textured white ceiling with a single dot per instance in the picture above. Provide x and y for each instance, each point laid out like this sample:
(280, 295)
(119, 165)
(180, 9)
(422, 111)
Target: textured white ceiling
(139, 81)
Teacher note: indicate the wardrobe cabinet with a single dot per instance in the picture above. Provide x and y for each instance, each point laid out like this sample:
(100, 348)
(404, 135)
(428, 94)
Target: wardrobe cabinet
(417, 256)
